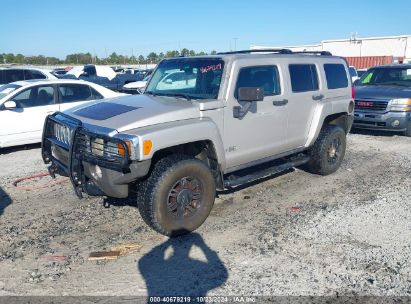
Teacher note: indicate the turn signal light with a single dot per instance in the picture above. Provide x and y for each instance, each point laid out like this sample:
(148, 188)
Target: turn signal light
(120, 148)
(147, 146)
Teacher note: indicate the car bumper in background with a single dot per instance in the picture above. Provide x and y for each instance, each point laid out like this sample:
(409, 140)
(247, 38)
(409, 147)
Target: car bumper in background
(390, 121)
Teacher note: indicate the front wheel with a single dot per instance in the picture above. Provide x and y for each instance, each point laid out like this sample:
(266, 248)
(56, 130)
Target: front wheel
(328, 151)
(178, 195)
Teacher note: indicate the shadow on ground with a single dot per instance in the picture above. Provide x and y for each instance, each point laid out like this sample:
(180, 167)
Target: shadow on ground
(19, 148)
(5, 201)
(168, 270)
(376, 132)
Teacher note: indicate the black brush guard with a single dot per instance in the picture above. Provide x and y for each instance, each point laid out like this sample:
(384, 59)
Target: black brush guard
(78, 152)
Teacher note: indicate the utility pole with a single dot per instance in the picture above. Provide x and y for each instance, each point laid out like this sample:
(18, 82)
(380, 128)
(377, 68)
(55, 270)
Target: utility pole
(235, 43)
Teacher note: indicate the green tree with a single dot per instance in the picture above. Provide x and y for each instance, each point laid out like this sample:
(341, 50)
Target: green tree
(152, 57)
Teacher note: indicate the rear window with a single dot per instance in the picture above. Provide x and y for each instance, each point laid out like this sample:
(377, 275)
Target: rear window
(13, 75)
(336, 76)
(304, 77)
(33, 74)
(75, 92)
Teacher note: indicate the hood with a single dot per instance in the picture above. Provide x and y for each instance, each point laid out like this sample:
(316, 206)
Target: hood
(134, 111)
(135, 85)
(381, 92)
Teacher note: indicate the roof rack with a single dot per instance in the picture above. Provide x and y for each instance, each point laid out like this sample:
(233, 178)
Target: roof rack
(321, 53)
(278, 51)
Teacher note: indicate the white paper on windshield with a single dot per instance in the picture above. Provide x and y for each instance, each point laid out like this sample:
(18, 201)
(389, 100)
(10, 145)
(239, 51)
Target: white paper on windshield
(408, 72)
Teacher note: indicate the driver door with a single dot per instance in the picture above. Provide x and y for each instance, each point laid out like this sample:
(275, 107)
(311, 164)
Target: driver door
(24, 124)
(261, 132)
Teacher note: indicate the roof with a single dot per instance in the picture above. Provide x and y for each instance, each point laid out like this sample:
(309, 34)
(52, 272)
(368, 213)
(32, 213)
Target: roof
(397, 65)
(248, 54)
(48, 81)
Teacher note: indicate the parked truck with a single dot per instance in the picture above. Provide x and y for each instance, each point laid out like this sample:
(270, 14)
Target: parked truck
(223, 121)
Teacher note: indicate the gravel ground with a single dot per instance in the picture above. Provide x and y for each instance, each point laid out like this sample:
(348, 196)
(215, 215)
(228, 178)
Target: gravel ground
(296, 234)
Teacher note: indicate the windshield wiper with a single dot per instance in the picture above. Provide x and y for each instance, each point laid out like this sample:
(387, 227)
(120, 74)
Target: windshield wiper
(150, 93)
(185, 96)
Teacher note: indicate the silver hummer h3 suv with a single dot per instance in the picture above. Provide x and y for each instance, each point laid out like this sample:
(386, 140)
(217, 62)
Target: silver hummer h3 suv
(204, 124)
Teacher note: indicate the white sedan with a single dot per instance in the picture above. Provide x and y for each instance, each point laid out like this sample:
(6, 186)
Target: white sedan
(24, 106)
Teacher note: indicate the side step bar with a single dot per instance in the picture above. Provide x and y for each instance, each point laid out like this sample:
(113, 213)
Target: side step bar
(290, 163)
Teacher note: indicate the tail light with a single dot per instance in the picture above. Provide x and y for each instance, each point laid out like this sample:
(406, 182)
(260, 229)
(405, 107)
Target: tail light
(353, 92)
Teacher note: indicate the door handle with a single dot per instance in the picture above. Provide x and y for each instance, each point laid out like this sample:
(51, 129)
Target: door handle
(318, 97)
(282, 102)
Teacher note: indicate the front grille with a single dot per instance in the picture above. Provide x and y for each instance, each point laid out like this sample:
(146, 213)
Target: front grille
(371, 105)
(62, 133)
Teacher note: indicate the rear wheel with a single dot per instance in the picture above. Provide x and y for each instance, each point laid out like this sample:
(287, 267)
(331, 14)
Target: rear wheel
(328, 151)
(178, 195)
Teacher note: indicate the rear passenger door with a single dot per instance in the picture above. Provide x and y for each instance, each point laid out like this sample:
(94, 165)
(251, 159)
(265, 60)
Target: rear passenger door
(71, 95)
(305, 92)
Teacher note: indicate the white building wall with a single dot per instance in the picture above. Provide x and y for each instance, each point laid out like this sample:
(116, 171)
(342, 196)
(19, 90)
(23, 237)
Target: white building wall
(396, 46)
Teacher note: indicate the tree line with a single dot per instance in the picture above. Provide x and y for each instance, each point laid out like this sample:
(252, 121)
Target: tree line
(88, 58)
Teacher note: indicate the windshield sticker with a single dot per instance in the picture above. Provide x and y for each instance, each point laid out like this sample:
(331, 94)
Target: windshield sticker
(211, 68)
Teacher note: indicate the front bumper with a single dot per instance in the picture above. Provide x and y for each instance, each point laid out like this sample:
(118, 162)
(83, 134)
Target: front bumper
(389, 121)
(96, 175)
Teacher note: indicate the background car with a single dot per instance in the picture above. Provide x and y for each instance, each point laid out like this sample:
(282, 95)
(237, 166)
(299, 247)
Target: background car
(136, 87)
(383, 99)
(8, 75)
(24, 106)
(353, 73)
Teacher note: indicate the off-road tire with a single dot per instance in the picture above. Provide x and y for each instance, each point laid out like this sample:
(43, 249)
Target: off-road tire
(155, 193)
(408, 131)
(320, 160)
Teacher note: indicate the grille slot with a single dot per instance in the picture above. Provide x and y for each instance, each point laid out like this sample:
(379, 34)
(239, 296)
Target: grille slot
(371, 105)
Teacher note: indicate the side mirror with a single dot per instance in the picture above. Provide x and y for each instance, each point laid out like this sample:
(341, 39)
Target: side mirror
(10, 105)
(248, 95)
(251, 94)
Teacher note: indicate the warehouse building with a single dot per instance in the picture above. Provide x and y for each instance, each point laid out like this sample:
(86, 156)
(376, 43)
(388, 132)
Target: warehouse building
(361, 52)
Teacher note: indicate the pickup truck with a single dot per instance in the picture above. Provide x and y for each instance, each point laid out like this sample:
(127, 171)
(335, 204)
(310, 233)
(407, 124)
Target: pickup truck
(103, 75)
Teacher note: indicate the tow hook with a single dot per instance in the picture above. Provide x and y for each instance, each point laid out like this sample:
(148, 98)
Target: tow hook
(52, 171)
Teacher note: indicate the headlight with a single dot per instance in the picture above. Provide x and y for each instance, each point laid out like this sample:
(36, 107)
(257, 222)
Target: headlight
(400, 104)
(97, 146)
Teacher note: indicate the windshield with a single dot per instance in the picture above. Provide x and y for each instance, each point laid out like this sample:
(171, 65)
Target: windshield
(387, 76)
(8, 89)
(195, 78)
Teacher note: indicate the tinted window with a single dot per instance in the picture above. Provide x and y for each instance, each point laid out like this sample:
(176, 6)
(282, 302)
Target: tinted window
(74, 92)
(263, 77)
(96, 95)
(353, 72)
(304, 77)
(35, 96)
(33, 74)
(13, 75)
(90, 70)
(336, 76)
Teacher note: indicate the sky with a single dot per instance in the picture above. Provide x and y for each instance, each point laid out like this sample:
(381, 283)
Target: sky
(133, 27)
